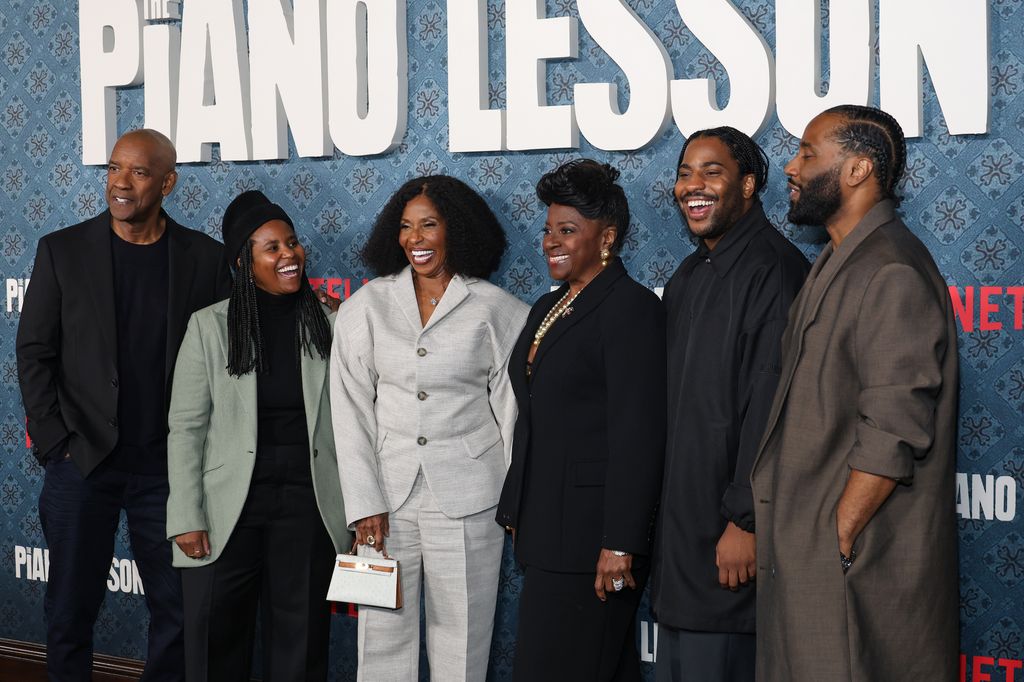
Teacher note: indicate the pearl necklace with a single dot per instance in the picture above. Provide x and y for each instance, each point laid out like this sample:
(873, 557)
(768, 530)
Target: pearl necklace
(560, 309)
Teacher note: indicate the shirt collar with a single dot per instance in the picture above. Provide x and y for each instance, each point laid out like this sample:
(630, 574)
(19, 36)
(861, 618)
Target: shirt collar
(732, 245)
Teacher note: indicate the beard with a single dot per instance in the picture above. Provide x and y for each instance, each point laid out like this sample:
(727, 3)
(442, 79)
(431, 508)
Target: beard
(819, 199)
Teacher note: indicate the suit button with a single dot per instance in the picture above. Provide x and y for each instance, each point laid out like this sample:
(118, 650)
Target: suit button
(422, 395)
(112, 422)
(421, 440)
(113, 382)
(315, 453)
(421, 352)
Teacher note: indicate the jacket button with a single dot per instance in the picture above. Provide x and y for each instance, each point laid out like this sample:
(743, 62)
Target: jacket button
(113, 382)
(422, 395)
(315, 453)
(421, 352)
(421, 440)
(112, 422)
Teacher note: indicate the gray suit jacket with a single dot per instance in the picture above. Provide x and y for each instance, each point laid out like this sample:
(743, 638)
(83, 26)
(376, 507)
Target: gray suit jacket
(211, 448)
(406, 396)
(869, 382)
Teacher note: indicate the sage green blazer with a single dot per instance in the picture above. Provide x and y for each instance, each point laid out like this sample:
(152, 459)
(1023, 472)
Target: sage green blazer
(211, 447)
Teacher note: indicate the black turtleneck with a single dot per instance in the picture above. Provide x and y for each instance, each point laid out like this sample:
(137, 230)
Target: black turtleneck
(281, 411)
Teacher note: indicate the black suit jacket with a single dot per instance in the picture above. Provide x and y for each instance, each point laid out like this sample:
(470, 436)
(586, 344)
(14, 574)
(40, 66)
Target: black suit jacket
(589, 442)
(67, 337)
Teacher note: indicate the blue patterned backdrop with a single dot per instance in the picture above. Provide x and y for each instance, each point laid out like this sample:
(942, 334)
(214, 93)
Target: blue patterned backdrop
(962, 197)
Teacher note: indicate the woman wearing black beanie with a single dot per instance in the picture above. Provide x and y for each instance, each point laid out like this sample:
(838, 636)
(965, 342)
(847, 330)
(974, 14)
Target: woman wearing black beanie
(255, 507)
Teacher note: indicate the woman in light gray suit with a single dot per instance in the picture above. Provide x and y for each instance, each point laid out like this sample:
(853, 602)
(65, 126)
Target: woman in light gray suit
(423, 419)
(255, 507)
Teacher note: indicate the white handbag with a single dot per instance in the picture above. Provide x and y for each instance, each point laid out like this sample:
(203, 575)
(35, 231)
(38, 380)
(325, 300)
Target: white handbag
(368, 581)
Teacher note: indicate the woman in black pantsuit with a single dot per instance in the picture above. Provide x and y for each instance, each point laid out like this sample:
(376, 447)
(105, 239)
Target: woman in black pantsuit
(588, 372)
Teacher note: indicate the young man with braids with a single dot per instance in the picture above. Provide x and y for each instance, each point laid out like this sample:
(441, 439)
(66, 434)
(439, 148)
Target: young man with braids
(727, 306)
(854, 481)
(99, 333)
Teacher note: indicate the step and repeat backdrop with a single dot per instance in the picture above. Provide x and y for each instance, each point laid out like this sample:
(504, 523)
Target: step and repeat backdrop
(329, 105)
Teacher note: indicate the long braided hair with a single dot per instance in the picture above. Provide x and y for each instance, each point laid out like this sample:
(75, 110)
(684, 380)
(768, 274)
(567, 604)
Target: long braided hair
(245, 340)
(748, 155)
(874, 133)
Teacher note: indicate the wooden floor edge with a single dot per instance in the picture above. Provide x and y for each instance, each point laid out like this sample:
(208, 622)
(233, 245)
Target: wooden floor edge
(27, 661)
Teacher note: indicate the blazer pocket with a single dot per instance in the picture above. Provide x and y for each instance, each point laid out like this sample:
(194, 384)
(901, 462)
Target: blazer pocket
(589, 474)
(481, 440)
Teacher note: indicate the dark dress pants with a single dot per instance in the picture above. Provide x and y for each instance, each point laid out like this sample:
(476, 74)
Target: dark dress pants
(567, 634)
(277, 562)
(688, 656)
(80, 517)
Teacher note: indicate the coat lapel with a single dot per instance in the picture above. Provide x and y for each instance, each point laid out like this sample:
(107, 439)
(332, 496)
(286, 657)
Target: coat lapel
(99, 277)
(587, 301)
(809, 301)
(404, 295)
(455, 294)
(245, 385)
(182, 268)
(313, 372)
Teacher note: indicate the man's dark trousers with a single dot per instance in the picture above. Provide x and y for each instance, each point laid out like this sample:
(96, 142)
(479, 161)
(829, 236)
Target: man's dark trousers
(80, 517)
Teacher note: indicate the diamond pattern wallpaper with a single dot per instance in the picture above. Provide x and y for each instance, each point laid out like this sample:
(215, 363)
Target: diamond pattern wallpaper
(962, 196)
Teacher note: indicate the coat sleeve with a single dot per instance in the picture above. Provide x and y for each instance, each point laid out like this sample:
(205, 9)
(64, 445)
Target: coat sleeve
(633, 338)
(189, 423)
(499, 386)
(759, 367)
(38, 353)
(353, 395)
(901, 340)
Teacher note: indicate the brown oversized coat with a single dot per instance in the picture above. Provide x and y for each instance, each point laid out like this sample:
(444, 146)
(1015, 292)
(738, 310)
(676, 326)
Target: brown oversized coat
(869, 381)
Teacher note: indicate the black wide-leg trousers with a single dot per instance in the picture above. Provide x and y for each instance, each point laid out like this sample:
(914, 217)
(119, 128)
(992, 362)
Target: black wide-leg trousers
(278, 564)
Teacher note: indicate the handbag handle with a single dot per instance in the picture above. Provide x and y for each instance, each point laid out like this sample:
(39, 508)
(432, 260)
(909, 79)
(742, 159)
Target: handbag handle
(355, 548)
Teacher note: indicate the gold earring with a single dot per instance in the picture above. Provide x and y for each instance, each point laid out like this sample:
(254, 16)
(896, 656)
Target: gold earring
(604, 257)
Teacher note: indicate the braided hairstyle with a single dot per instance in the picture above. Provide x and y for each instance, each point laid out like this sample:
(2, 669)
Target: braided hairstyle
(245, 340)
(590, 188)
(748, 155)
(876, 134)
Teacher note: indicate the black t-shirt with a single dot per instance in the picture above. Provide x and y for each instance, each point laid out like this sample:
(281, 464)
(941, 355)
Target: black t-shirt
(141, 283)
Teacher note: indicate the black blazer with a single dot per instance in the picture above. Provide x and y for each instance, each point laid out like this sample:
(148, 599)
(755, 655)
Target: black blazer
(589, 441)
(67, 338)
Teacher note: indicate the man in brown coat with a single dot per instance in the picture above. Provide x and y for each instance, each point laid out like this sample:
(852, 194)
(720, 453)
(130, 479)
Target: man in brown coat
(854, 482)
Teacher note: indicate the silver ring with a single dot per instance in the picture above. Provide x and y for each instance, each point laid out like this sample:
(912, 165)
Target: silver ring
(618, 584)
(370, 540)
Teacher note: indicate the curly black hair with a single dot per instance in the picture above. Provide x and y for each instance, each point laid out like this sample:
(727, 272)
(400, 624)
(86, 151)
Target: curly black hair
(748, 155)
(590, 188)
(475, 241)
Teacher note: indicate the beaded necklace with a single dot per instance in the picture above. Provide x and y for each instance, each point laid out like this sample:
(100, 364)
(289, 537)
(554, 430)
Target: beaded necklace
(559, 310)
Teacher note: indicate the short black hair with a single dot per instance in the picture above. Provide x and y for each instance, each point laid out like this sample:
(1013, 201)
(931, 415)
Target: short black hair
(876, 134)
(590, 188)
(475, 241)
(748, 155)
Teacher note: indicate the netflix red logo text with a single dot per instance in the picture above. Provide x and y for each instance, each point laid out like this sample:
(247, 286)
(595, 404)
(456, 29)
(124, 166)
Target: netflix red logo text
(988, 308)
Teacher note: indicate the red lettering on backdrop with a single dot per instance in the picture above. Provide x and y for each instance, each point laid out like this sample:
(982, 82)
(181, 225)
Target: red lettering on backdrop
(963, 310)
(1009, 665)
(1018, 305)
(988, 308)
(333, 284)
(976, 674)
(989, 305)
